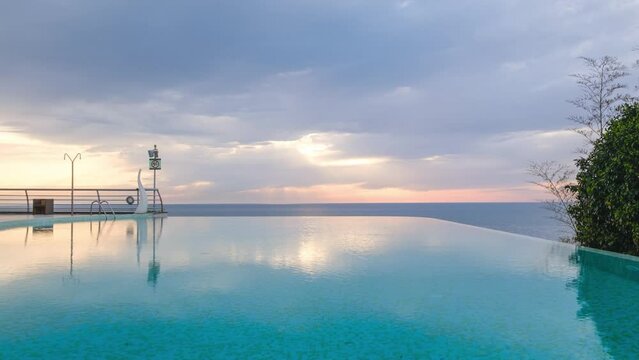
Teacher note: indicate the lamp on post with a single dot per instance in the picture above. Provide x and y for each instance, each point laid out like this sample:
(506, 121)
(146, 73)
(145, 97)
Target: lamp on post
(77, 156)
(155, 164)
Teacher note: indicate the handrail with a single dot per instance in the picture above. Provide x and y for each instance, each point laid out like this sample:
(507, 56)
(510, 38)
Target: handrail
(161, 202)
(100, 209)
(113, 212)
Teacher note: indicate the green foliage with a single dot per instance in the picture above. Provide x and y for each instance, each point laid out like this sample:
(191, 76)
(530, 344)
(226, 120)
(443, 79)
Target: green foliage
(606, 211)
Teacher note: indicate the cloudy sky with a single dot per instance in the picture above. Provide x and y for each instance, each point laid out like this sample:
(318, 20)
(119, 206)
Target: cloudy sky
(299, 100)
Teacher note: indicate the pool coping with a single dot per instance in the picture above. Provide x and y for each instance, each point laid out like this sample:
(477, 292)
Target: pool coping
(47, 220)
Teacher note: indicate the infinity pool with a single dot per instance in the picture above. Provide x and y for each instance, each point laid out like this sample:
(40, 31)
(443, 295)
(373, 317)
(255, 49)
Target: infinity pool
(309, 287)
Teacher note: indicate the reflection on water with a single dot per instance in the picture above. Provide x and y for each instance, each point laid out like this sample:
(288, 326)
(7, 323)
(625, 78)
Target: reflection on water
(42, 230)
(154, 265)
(71, 254)
(309, 287)
(42, 246)
(608, 293)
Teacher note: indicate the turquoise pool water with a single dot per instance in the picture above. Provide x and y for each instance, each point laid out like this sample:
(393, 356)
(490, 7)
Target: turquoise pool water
(309, 287)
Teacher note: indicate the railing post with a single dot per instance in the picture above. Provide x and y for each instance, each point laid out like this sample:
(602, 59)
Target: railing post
(26, 193)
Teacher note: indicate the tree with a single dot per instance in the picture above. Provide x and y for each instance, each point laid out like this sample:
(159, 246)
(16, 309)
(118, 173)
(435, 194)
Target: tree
(556, 179)
(602, 91)
(636, 65)
(606, 210)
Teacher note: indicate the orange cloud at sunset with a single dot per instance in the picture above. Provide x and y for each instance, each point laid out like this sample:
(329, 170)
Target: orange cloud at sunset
(340, 193)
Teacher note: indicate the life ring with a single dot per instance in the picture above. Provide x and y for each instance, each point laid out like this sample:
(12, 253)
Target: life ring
(130, 200)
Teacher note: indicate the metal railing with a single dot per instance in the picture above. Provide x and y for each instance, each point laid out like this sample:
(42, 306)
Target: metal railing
(15, 200)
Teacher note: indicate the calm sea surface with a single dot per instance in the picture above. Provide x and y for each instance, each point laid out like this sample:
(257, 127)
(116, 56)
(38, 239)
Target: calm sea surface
(520, 218)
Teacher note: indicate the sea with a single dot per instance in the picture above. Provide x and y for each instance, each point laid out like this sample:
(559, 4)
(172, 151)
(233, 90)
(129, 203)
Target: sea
(530, 219)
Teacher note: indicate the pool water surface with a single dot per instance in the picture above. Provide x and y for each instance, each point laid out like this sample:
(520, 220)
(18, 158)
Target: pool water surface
(309, 287)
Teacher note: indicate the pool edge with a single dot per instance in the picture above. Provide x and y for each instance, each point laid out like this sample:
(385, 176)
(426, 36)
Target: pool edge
(50, 220)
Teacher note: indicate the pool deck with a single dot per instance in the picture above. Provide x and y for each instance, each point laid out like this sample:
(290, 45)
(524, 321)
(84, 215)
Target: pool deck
(8, 221)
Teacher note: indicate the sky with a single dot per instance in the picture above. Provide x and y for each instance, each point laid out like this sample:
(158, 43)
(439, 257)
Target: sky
(299, 100)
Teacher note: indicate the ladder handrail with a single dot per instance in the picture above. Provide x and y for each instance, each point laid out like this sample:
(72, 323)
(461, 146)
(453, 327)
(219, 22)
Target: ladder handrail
(100, 209)
(161, 202)
(26, 194)
(91, 207)
(110, 207)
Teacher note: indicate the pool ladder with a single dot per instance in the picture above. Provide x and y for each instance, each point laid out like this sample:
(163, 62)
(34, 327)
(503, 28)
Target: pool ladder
(101, 209)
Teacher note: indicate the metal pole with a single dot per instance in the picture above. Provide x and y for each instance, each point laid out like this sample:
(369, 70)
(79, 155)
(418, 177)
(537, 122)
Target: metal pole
(72, 185)
(78, 155)
(154, 187)
(154, 162)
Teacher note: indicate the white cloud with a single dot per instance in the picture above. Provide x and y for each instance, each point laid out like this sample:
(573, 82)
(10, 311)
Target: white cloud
(513, 66)
(193, 185)
(434, 158)
(404, 3)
